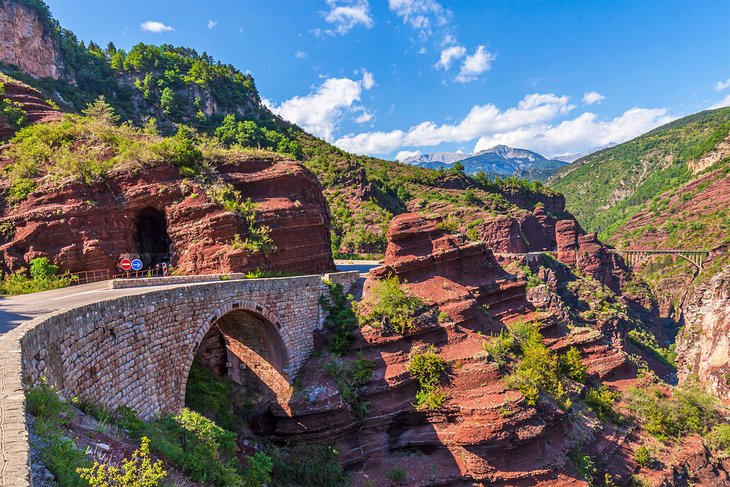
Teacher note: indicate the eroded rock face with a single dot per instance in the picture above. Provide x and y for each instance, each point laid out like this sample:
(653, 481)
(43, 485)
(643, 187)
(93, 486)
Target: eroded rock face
(29, 99)
(588, 254)
(474, 436)
(26, 41)
(703, 345)
(154, 212)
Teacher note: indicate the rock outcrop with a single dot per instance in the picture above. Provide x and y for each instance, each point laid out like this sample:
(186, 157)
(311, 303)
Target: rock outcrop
(703, 345)
(155, 213)
(27, 99)
(585, 252)
(28, 40)
(477, 434)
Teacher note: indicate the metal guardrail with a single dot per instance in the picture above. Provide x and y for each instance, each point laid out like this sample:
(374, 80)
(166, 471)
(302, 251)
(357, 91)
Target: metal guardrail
(142, 273)
(87, 277)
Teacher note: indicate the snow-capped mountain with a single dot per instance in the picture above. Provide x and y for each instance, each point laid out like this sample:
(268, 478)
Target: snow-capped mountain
(500, 160)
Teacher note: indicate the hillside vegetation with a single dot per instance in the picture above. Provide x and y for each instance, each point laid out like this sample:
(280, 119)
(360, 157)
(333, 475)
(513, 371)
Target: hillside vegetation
(604, 190)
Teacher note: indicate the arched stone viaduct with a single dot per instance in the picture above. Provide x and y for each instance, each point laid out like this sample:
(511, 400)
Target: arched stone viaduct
(137, 350)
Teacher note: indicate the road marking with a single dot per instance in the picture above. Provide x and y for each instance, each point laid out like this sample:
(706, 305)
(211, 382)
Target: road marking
(78, 294)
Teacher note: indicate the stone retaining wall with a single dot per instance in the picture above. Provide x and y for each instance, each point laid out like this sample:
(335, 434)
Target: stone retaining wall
(137, 350)
(167, 280)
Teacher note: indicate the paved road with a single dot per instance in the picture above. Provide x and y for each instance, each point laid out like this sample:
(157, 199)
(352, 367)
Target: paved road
(14, 310)
(362, 266)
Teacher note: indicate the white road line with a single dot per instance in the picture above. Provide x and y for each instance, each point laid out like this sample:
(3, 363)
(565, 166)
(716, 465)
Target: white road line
(78, 294)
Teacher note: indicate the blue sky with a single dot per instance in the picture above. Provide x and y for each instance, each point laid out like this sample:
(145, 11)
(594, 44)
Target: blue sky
(396, 77)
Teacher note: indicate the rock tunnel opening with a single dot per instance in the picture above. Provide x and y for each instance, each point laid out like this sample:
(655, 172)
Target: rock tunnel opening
(245, 351)
(152, 242)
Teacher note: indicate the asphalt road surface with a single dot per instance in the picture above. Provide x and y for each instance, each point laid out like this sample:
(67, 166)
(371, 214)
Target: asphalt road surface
(14, 310)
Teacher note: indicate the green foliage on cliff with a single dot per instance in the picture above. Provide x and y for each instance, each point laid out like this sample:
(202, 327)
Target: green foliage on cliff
(604, 189)
(430, 369)
(389, 307)
(341, 320)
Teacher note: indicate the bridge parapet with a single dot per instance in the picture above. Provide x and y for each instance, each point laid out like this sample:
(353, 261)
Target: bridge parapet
(136, 350)
(633, 257)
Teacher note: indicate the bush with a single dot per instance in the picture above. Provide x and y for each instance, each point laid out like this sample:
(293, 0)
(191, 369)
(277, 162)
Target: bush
(601, 401)
(42, 268)
(62, 457)
(341, 320)
(689, 410)
(42, 402)
(351, 378)
(572, 365)
(643, 456)
(719, 437)
(307, 464)
(14, 284)
(586, 467)
(397, 475)
(139, 471)
(429, 369)
(390, 307)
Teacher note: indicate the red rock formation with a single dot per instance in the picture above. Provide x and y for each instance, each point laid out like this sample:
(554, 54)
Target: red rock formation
(703, 345)
(27, 40)
(473, 437)
(83, 227)
(30, 100)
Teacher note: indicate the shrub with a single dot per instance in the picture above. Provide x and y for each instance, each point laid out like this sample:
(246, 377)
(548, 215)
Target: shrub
(397, 475)
(601, 401)
(448, 225)
(689, 410)
(643, 456)
(307, 464)
(259, 468)
(341, 320)
(42, 268)
(429, 369)
(351, 378)
(210, 395)
(390, 307)
(719, 437)
(20, 189)
(42, 402)
(139, 471)
(586, 467)
(572, 365)
(63, 458)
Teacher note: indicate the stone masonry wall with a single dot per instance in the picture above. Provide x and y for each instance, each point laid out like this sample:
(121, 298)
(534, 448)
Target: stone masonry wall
(137, 350)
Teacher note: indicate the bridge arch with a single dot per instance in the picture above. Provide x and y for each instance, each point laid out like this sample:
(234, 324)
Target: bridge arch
(253, 337)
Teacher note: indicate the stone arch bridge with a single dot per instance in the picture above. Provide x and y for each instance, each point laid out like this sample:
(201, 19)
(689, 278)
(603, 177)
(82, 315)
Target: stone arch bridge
(633, 257)
(137, 350)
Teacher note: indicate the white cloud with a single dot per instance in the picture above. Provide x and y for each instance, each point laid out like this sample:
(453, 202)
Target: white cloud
(364, 117)
(592, 97)
(368, 81)
(535, 123)
(722, 85)
(421, 15)
(212, 23)
(481, 120)
(725, 102)
(422, 50)
(300, 55)
(321, 111)
(581, 133)
(154, 27)
(345, 15)
(405, 154)
(475, 64)
(449, 55)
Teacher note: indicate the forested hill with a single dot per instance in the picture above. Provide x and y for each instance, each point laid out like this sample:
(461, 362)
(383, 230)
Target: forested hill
(167, 90)
(606, 189)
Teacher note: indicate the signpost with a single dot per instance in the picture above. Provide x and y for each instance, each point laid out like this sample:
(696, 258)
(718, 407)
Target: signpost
(125, 264)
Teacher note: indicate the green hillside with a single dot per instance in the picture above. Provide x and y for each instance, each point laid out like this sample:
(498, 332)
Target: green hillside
(607, 188)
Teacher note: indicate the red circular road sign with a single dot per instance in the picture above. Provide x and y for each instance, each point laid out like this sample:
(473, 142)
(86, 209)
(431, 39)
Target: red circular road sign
(125, 264)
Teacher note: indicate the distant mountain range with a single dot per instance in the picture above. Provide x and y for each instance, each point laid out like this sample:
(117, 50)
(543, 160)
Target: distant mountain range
(574, 156)
(500, 160)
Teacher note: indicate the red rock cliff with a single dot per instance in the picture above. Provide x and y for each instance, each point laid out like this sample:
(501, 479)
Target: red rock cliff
(156, 212)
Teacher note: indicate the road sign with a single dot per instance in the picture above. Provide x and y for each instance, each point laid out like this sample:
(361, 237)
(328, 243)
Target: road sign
(136, 264)
(125, 264)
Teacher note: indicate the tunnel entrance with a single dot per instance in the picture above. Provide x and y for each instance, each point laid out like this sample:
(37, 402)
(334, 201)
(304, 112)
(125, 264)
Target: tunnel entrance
(151, 240)
(243, 355)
